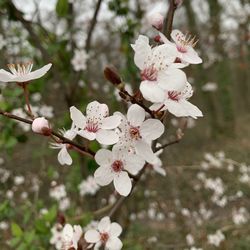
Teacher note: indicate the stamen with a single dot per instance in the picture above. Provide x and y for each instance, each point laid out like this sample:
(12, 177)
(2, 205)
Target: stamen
(117, 166)
(20, 69)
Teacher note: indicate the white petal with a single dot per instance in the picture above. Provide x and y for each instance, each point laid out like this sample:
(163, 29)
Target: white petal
(115, 229)
(172, 79)
(122, 183)
(111, 122)
(96, 110)
(176, 108)
(152, 129)
(86, 134)
(145, 151)
(107, 137)
(142, 51)
(103, 175)
(77, 117)
(151, 91)
(67, 232)
(64, 157)
(192, 110)
(114, 243)
(134, 163)
(92, 236)
(104, 224)
(177, 35)
(164, 39)
(6, 76)
(135, 115)
(103, 157)
(191, 56)
(36, 74)
(165, 53)
(159, 170)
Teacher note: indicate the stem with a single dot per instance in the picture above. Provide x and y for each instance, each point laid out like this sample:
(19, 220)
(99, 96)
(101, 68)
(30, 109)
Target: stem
(167, 144)
(170, 17)
(63, 139)
(26, 96)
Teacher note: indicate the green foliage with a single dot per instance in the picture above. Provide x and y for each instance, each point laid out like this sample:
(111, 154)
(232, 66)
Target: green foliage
(62, 8)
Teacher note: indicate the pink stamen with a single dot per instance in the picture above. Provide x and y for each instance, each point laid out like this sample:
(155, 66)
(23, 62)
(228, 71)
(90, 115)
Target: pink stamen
(134, 133)
(149, 74)
(92, 127)
(117, 166)
(174, 95)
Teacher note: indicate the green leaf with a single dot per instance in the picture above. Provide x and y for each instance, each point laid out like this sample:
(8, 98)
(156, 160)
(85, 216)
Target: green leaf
(41, 226)
(16, 230)
(51, 215)
(62, 8)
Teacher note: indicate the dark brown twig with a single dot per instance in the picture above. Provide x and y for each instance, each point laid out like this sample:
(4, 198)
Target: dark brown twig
(170, 17)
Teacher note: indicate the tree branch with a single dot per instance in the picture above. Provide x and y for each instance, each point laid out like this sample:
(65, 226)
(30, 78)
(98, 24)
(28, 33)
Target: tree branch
(170, 17)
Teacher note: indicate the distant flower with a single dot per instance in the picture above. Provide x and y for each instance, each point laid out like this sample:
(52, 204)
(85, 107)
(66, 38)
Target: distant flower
(240, 216)
(64, 157)
(216, 239)
(156, 20)
(157, 70)
(18, 180)
(4, 225)
(184, 45)
(114, 167)
(79, 61)
(88, 186)
(138, 133)
(64, 204)
(46, 111)
(19, 112)
(177, 103)
(36, 97)
(157, 166)
(97, 124)
(71, 236)
(106, 234)
(22, 73)
(58, 192)
(210, 87)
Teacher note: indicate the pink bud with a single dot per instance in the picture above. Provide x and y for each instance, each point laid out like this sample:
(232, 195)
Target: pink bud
(41, 126)
(156, 20)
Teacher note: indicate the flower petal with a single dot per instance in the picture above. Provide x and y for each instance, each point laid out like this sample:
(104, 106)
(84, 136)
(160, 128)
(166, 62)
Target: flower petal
(114, 243)
(103, 175)
(97, 111)
(6, 76)
(67, 232)
(191, 56)
(107, 137)
(122, 183)
(104, 224)
(86, 134)
(103, 157)
(134, 164)
(77, 117)
(192, 110)
(135, 115)
(177, 36)
(64, 157)
(151, 91)
(115, 229)
(92, 236)
(152, 129)
(111, 122)
(145, 151)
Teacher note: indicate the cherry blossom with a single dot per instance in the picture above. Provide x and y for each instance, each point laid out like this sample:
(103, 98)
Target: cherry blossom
(64, 157)
(157, 69)
(156, 20)
(71, 236)
(106, 234)
(137, 133)
(41, 126)
(22, 73)
(177, 103)
(184, 45)
(97, 124)
(114, 166)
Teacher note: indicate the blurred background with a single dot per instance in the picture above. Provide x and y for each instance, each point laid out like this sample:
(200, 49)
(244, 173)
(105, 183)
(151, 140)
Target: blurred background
(203, 201)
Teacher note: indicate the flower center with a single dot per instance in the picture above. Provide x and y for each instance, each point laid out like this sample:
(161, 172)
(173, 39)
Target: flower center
(181, 48)
(92, 127)
(174, 95)
(117, 166)
(149, 74)
(104, 237)
(20, 69)
(134, 133)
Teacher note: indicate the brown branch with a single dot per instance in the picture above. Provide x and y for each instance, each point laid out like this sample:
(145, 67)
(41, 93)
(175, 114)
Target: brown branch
(61, 137)
(167, 144)
(170, 17)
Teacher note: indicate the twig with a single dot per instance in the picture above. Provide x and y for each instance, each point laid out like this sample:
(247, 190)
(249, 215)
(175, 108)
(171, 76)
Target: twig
(26, 95)
(61, 137)
(170, 18)
(167, 144)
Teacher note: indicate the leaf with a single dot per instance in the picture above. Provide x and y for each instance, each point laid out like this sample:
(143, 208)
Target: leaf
(16, 230)
(51, 215)
(62, 8)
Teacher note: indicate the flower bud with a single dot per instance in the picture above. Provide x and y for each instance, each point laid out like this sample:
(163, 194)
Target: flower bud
(156, 20)
(111, 75)
(41, 126)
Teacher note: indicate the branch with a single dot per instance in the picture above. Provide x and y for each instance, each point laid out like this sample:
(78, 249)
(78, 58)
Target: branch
(170, 17)
(62, 138)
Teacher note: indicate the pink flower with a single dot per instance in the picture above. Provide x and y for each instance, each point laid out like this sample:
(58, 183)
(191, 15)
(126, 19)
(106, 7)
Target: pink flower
(41, 126)
(156, 20)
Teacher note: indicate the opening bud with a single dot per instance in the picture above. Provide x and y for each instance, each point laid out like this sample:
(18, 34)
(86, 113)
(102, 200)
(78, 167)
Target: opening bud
(41, 126)
(156, 20)
(112, 76)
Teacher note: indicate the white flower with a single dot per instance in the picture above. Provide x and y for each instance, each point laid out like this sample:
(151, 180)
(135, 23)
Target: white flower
(22, 73)
(71, 236)
(46, 111)
(157, 166)
(64, 204)
(88, 186)
(184, 45)
(215, 239)
(56, 238)
(64, 157)
(240, 216)
(156, 71)
(156, 20)
(18, 180)
(4, 225)
(79, 60)
(97, 124)
(138, 133)
(114, 166)
(41, 126)
(210, 87)
(58, 192)
(176, 102)
(106, 234)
